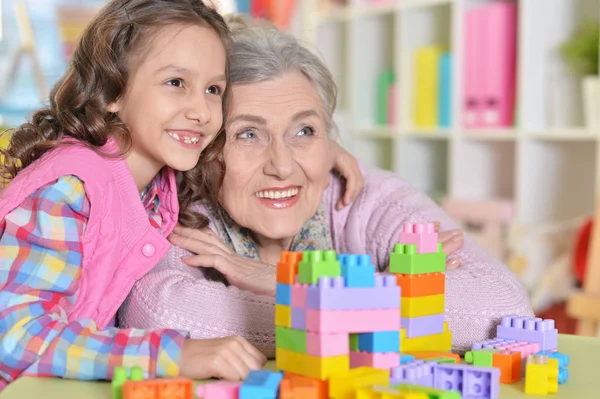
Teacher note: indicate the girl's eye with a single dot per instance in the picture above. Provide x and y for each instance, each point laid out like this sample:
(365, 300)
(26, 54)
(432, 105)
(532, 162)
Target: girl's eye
(306, 131)
(216, 90)
(175, 82)
(247, 135)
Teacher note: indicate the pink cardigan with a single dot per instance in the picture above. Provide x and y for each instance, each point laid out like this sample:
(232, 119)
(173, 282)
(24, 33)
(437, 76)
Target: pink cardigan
(482, 290)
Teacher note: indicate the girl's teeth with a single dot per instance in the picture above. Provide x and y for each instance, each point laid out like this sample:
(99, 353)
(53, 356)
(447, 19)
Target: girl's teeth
(186, 140)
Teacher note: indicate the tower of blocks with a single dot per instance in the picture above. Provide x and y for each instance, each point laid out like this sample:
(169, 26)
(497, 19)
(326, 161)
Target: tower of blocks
(419, 265)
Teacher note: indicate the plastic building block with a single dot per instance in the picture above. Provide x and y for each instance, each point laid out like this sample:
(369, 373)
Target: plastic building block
(376, 360)
(283, 294)
(405, 260)
(422, 306)
(384, 392)
(354, 342)
(316, 264)
(327, 344)
(299, 295)
(291, 339)
(321, 368)
(160, 388)
(379, 341)
(219, 390)
(414, 285)
(357, 270)
(122, 375)
(541, 375)
(330, 293)
(429, 355)
(406, 358)
(283, 316)
(298, 319)
(417, 372)
(260, 384)
(480, 358)
(432, 393)
(510, 365)
(302, 387)
(529, 330)
(424, 325)
(563, 360)
(524, 348)
(343, 385)
(471, 381)
(287, 267)
(436, 342)
(422, 235)
(352, 321)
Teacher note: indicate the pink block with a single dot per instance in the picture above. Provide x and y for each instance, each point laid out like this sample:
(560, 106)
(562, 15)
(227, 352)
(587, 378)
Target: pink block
(299, 295)
(524, 348)
(352, 321)
(327, 344)
(219, 390)
(473, 70)
(423, 235)
(376, 360)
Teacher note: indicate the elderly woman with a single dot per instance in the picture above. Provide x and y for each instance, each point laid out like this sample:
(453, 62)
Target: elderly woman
(278, 194)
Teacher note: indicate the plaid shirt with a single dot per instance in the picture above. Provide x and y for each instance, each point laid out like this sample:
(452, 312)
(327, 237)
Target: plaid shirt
(40, 272)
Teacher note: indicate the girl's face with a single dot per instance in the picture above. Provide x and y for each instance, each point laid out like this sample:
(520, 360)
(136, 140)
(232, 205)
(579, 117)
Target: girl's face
(173, 102)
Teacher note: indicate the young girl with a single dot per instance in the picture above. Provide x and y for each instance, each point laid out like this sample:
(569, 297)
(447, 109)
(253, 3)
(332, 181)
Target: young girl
(93, 196)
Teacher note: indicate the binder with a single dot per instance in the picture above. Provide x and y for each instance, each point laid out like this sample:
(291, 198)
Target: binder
(426, 86)
(473, 77)
(445, 91)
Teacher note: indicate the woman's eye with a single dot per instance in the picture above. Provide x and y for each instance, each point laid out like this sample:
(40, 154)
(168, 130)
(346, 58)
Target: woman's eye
(175, 82)
(306, 131)
(216, 90)
(247, 134)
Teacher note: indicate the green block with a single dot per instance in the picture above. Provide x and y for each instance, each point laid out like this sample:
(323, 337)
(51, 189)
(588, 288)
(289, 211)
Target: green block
(316, 264)
(354, 342)
(118, 379)
(406, 260)
(290, 339)
(431, 392)
(441, 360)
(481, 358)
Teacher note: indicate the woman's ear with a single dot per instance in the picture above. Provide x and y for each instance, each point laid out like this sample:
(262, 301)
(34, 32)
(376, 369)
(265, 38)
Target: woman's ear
(114, 107)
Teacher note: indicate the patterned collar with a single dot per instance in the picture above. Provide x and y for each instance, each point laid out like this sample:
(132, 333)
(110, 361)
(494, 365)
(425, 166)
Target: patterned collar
(151, 198)
(315, 234)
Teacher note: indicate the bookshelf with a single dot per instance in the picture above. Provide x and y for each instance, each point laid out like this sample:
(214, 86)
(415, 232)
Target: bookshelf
(547, 163)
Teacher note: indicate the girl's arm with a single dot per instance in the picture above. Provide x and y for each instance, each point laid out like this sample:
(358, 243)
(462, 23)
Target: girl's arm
(40, 274)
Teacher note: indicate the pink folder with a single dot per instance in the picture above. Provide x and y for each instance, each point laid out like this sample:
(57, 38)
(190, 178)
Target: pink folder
(473, 67)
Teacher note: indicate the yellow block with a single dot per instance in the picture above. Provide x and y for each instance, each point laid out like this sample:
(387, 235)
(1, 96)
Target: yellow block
(435, 342)
(321, 368)
(344, 385)
(426, 86)
(382, 392)
(283, 316)
(541, 378)
(422, 306)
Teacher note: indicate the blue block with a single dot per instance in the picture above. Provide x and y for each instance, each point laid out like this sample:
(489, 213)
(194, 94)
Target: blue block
(357, 270)
(404, 358)
(260, 384)
(445, 90)
(379, 342)
(563, 360)
(283, 294)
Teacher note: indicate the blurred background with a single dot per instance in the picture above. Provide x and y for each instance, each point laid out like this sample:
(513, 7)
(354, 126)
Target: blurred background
(492, 107)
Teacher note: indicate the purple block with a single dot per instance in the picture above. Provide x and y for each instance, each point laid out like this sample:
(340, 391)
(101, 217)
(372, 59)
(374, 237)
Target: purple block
(424, 325)
(529, 330)
(417, 372)
(471, 381)
(491, 343)
(299, 319)
(331, 294)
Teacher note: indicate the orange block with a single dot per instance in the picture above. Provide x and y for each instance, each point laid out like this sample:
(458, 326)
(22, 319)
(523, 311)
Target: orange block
(509, 364)
(416, 285)
(287, 267)
(434, 354)
(161, 388)
(295, 386)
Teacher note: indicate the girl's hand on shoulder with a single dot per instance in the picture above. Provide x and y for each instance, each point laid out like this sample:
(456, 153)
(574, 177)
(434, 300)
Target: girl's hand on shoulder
(347, 165)
(210, 251)
(452, 241)
(230, 358)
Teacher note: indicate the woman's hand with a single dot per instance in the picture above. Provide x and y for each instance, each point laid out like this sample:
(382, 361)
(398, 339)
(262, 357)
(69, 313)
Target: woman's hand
(211, 251)
(347, 166)
(452, 241)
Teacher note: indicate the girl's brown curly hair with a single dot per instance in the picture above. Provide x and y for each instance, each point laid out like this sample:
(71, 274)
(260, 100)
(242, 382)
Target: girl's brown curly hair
(97, 76)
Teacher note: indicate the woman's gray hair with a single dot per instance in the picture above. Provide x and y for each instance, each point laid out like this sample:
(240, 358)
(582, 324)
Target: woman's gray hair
(261, 52)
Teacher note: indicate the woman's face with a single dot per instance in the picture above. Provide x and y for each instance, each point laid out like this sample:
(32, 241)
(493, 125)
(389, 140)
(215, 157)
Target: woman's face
(277, 155)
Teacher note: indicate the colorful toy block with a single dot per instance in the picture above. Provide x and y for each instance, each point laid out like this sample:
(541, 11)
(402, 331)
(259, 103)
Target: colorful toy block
(325, 345)
(422, 306)
(563, 360)
(541, 375)
(510, 365)
(287, 267)
(406, 260)
(321, 368)
(219, 390)
(299, 295)
(480, 358)
(331, 294)
(160, 388)
(123, 374)
(436, 342)
(298, 318)
(291, 339)
(294, 386)
(385, 361)
(260, 384)
(529, 330)
(424, 325)
(470, 381)
(406, 358)
(352, 321)
(283, 294)
(422, 235)
(432, 393)
(357, 270)
(415, 285)
(384, 392)
(417, 372)
(344, 385)
(430, 355)
(524, 348)
(354, 342)
(283, 316)
(379, 341)
(316, 264)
